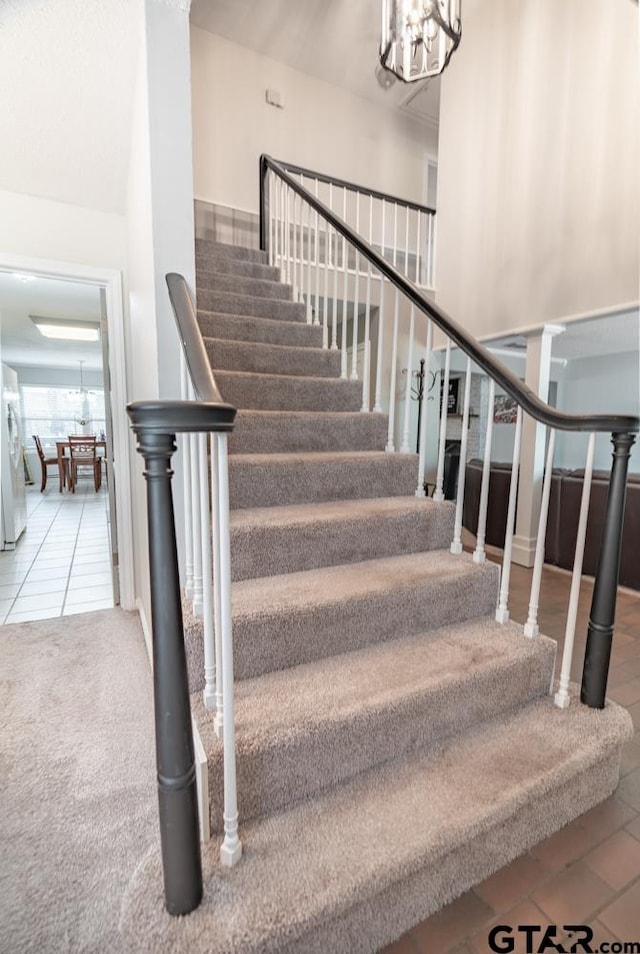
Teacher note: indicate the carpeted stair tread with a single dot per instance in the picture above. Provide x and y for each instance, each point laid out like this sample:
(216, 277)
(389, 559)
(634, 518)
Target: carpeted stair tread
(274, 540)
(266, 480)
(242, 285)
(268, 432)
(284, 621)
(205, 248)
(301, 730)
(266, 330)
(256, 357)
(225, 265)
(288, 392)
(353, 869)
(232, 303)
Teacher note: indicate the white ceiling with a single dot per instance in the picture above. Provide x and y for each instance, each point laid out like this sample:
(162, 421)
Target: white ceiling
(67, 69)
(334, 40)
(21, 344)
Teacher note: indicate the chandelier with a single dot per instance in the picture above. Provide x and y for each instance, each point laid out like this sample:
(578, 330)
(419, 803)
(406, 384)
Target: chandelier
(419, 36)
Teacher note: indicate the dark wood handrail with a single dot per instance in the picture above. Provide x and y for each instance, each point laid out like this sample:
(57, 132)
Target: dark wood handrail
(343, 184)
(528, 399)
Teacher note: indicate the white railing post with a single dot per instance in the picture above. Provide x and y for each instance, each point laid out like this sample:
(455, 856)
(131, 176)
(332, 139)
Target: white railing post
(344, 358)
(531, 626)
(186, 466)
(325, 310)
(502, 612)
(418, 249)
(561, 697)
(367, 343)
(424, 405)
(390, 446)
(294, 247)
(404, 446)
(438, 493)
(316, 316)
(195, 519)
(231, 849)
(309, 309)
(218, 721)
(334, 258)
(354, 336)
(456, 544)
(209, 694)
(479, 555)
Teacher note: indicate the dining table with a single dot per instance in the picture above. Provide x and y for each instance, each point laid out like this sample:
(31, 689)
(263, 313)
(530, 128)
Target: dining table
(63, 459)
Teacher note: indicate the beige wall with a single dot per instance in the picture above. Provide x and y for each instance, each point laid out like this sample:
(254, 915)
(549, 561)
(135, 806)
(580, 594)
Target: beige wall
(538, 189)
(320, 127)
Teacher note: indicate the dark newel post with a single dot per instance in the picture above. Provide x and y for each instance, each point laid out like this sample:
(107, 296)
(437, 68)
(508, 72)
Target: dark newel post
(264, 205)
(603, 606)
(177, 796)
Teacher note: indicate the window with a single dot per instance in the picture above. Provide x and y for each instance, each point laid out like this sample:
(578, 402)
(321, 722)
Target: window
(54, 412)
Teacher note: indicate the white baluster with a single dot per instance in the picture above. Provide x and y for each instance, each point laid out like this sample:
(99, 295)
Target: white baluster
(531, 626)
(424, 413)
(456, 545)
(418, 247)
(502, 612)
(316, 317)
(325, 310)
(186, 468)
(334, 327)
(218, 721)
(287, 236)
(404, 446)
(354, 337)
(479, 555)
(390, 446)
(434, 247)
(395, 234)
(294, 247)
(344, 358)
(367, 332)
(377, 401)
(438, 493)
(276, 218)
(231, 848)
(309, 308)
(283, 241)
(406, 241)
(197, 524)
(561, 697)
(209, 694)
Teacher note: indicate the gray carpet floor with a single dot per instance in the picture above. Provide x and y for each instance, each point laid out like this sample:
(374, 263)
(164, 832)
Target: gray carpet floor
(78, 807)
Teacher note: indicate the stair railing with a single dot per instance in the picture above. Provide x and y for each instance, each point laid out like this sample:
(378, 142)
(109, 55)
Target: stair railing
(205, 420)
(316, 266)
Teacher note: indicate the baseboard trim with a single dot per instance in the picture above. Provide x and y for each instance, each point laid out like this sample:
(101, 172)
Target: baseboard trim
(146, 630)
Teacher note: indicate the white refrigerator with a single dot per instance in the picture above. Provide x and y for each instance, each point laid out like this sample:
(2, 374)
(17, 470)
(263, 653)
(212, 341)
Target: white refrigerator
(14, 504)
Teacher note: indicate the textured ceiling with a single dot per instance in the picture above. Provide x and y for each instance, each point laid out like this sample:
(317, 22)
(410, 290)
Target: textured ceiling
(587, 338)
(20, 340)
(334, 40)
(67, 70)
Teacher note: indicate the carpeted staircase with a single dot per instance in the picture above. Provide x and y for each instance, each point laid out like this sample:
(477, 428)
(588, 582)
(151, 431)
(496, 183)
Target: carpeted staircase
(395, 745)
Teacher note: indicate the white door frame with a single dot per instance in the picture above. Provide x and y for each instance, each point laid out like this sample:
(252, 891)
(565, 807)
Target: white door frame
(111, 280)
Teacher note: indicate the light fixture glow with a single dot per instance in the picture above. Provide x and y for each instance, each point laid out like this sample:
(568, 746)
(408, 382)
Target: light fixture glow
(418, 37)
(62, 330)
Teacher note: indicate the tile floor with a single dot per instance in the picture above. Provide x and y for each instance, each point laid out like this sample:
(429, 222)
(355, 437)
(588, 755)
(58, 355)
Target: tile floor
(587, 873)
(62, 563)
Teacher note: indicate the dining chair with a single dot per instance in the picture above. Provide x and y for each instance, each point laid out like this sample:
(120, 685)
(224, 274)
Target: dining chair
(49, 462)
(83, 454)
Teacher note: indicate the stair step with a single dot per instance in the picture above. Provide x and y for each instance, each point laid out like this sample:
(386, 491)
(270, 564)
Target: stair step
(284, 621)
(257, 358)
(280, 392)
(278, 480)
(275, 540)
(225, 265)
(291, 432)
(242, 285)
(295, 740)
(247, 328)
(353, 869)
(212, 251)
(280, 310)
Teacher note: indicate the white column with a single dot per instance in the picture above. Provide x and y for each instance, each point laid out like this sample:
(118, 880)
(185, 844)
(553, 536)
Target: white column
(537, 375)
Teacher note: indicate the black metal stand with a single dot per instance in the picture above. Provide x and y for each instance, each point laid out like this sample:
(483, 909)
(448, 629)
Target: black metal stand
(603, 606)
(177, 795)
(420, 392)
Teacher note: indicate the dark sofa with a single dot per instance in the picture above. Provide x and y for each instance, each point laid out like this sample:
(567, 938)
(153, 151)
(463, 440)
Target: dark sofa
(564, 509)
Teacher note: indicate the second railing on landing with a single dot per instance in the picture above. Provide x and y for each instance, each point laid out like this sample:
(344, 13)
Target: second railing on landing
(293, 220)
